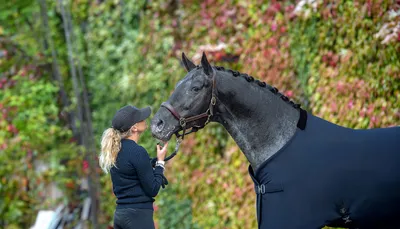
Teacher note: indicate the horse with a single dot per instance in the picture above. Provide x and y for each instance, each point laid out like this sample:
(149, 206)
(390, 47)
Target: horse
(307, 172)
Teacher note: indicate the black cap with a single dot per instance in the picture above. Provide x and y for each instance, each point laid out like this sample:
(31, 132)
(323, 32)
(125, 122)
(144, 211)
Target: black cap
(128, 115)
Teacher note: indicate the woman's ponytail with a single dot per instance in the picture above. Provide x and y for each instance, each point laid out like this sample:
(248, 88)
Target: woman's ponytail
(110, 146)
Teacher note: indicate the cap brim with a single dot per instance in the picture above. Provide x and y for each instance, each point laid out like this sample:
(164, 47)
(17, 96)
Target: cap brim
(144, 113)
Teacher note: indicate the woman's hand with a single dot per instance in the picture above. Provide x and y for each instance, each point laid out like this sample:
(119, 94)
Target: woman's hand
(161, 152)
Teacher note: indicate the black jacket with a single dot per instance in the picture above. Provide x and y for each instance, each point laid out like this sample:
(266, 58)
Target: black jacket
(135, 182)
(331, 175)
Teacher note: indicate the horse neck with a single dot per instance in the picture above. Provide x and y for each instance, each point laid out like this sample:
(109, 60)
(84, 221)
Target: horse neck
(258, 120)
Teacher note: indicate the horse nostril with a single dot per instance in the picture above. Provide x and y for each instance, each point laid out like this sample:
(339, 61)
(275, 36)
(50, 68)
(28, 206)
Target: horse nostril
(160, 124)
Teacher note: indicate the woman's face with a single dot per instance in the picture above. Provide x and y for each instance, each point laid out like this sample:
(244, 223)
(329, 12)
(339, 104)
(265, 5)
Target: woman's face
(141, 126)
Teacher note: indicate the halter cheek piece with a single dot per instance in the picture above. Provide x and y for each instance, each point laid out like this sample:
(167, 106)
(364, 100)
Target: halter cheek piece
(187, 122)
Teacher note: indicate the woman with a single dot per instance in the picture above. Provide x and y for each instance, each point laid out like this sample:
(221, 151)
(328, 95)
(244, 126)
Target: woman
(135, 182)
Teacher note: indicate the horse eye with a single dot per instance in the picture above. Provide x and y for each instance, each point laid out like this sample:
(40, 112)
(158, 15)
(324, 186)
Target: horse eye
(195, 89)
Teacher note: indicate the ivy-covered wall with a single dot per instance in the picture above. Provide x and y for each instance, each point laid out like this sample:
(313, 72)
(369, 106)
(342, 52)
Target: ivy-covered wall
(339, 59)
(36, 145)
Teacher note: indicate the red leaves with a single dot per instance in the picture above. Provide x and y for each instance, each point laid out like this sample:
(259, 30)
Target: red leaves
(3, 146)
(3, 81)
(334, 107)
(155, 206)
(272, 41)
(330, 59)
(218, 56)
(85, 165)
(12, 129)
(289, 8)
(340, 87)
(274, 27)
(70, 185)
(276, 7)
(6, 83)
(350, 105)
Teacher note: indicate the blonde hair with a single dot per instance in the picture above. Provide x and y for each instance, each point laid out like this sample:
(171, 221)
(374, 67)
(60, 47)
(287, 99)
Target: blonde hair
(110, 146)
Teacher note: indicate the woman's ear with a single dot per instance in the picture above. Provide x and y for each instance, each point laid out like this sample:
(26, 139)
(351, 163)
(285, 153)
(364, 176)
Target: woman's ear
(133, 128)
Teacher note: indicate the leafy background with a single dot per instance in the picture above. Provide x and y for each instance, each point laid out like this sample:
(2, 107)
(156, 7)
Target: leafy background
(339, 59)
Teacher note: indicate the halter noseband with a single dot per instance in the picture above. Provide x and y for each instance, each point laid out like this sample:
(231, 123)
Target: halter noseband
(207, 114)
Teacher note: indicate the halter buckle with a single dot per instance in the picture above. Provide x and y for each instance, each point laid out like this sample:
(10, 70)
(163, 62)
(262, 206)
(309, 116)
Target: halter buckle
(213, 100)
(182, 122)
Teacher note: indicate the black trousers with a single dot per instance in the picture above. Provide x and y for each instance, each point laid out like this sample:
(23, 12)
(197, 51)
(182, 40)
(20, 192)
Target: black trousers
(133, 218)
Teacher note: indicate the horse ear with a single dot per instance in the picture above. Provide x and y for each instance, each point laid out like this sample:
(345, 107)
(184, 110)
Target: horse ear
(206, 65)
(187, 63)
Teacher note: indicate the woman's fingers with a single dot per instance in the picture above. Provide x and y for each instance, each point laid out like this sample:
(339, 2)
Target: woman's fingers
(165, 146)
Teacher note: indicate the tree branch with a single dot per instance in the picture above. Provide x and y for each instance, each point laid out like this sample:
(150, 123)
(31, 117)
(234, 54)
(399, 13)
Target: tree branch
(55, 67)
(84, 114)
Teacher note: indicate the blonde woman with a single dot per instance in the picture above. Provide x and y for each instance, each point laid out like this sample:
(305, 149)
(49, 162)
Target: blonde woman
(135, 182)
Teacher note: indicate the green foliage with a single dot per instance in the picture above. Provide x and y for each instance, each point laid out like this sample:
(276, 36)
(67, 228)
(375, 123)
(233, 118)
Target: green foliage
(351, 71)
(339, 59)
(30, 132)
(15, 14)
(36, 146)
(172, 212)
(112, 57)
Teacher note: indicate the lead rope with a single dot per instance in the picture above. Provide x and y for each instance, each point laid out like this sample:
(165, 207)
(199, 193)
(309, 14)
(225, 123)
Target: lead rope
(178, 143)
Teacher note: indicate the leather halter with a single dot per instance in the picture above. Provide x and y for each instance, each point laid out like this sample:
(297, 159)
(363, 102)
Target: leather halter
(184, 122)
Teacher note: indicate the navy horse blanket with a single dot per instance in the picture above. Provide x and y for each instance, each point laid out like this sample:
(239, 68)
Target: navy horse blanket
(331, 175)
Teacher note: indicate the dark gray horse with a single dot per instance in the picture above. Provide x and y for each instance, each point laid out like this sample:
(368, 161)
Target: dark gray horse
(307, 172)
